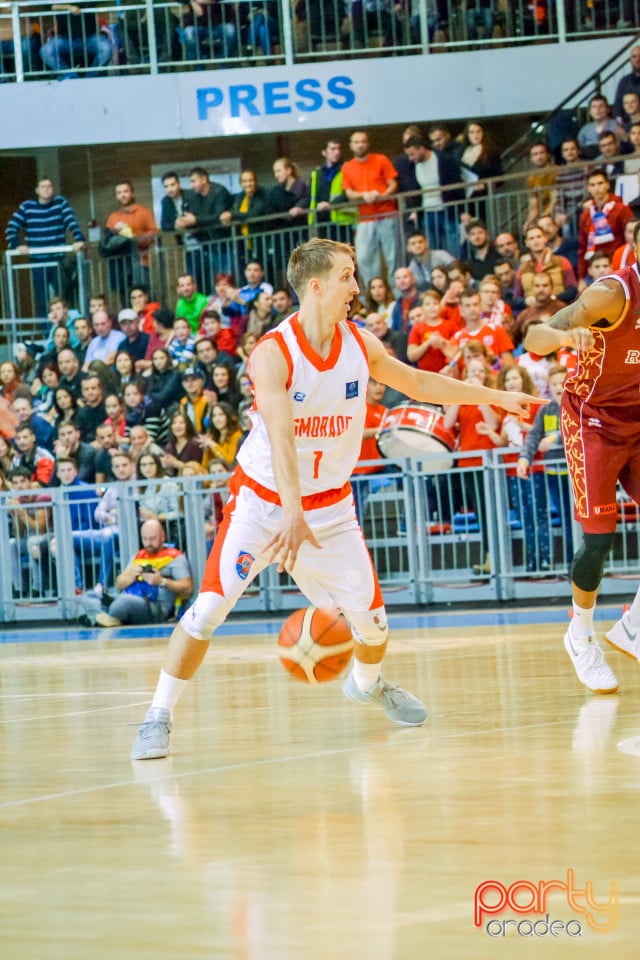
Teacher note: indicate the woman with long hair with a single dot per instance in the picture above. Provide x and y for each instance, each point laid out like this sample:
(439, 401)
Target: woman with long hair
(159, 498)
(183, 444)
(481, 159)
(125, 370)
(114, 406)
(261, 314)
(65, 407)
(380, 298)
(247, 344)
(164, 385)
(223, 439)
(9, 379)
(44, 398)
(224, 384)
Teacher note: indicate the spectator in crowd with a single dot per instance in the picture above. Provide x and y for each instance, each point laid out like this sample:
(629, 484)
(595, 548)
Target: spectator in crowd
(479, 161)
(60, 340)
(106, 341)
(124, 370)
(571, 188)
(76, 42)
(544, 304)
(262, 316)
(44, 395)
(380, 298)
(183, 444)
(478, 250)
(144, 308)
(159, 498)
(225, 386)
(433, 172)
(37, 460)
(405, 284)
(136, 342)
(291, 193)
(624, 255)
(223, 436)
(84, 334)
(259, 26)
(423, 259)
(140, 410)
(247, 343)
(84, 454)
(631, 109)
(429, 336)
(440, 279)
(25, 361)
(493, 336)
(599, 266)
(601, 120)
(506, 275)
(368, 17)
(70, 373)
(105, 444)
(251, 202)
(541, 182)
(206, 361)
(182, 345)
(507, 247)
(6, 455)
(174, 204)
(139, 440)
(190, 303)
(282, 304)
(61, 316)
(602, 221)
(43, 222)
(29, 519)
(65, 407)
(43, 431)
(97, 301)
(369, 451)
(494, 308)
(480, 13)
(610, 148)
(562, 245)
(93, 411)
(255, 282)
(629, 83)
(205, 30)
(441, 140)
(632, 161)
(115, 416)
(194, 404)
(370, 180)
(9, 380)
(121, 470)
(327, 199)
(205, 224)
(165, 382)
(152, 585)
(539, 259)
(164, 320)
(131, 231)
(227, 303)
(395, 341)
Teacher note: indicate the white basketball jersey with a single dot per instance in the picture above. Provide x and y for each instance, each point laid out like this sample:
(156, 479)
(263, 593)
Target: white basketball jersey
(328, 403)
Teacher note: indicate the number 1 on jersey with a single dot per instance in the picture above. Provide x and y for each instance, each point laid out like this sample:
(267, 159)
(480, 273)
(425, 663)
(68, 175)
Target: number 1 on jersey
(317, 457)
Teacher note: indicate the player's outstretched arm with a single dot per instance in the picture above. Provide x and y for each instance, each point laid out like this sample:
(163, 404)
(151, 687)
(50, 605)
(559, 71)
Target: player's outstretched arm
(601, 303)
(269, 373)
(436, 388)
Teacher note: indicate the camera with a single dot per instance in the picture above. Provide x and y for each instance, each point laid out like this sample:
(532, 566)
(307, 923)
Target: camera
(148, 568)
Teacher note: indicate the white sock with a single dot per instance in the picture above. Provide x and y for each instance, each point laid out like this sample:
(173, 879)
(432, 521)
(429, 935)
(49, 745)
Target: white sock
(633, 613)
(582, 622)
(168, 692)
(365, 674)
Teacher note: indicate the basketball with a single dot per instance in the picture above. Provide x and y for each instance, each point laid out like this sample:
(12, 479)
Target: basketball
(315, 645)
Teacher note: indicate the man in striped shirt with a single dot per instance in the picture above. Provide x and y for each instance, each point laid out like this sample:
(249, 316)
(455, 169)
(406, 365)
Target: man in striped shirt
(43, 222)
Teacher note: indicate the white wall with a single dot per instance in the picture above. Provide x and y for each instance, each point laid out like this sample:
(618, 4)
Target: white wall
(527, 79)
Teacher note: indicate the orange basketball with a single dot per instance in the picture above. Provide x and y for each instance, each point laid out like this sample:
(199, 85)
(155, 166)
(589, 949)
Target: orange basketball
(315, 645)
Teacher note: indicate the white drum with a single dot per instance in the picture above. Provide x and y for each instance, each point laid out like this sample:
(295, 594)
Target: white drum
(417, 431)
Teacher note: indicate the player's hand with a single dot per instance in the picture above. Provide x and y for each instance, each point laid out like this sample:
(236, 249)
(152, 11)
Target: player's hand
(518, 403)
(581, 338)
(283, 547)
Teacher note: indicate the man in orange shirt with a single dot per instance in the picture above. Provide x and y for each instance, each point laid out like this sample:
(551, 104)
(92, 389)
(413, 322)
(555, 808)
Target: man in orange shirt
(370, 179)
(129, 263)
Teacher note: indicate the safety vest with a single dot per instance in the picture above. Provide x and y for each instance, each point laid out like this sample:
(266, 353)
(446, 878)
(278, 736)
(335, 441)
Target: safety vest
(338, 215)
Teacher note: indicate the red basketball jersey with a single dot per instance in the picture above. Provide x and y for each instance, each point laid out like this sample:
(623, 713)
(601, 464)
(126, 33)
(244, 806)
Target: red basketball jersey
(608, 375)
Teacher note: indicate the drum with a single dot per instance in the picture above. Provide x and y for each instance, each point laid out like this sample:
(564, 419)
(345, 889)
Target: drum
(417, 431)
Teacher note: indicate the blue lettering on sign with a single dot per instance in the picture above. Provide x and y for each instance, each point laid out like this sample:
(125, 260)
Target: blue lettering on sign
(276, 97)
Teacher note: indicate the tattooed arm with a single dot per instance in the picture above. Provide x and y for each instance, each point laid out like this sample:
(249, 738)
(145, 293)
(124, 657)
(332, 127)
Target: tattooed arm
(602, 304)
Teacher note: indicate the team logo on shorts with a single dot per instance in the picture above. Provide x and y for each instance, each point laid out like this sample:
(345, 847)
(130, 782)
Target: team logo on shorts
(351, 390)
(243, 564)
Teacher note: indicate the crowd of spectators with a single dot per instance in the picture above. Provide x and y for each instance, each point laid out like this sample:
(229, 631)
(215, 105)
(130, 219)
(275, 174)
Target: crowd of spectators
(162, 390)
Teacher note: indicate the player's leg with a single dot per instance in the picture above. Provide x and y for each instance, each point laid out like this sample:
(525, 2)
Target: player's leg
(594, 491)
(342, 575)
(233, 563)
(625, 634)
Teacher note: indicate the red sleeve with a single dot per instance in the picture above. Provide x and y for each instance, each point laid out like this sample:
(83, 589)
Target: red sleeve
(388, 169)
(346, 179)
(416, 333)
(503, 341)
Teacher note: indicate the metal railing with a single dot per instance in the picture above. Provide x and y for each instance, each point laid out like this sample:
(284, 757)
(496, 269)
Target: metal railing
(142, 36)
(474, 532)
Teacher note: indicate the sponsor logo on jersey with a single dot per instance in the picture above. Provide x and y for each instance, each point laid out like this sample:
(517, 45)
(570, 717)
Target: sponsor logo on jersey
(603, 509)
(243, 564)
(333, 426)
(633, 356)
(594, 422)
(351, 390)
(299, 396)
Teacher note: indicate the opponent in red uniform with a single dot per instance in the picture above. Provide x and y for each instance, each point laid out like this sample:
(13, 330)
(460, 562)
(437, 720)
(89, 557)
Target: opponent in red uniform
(600, 421)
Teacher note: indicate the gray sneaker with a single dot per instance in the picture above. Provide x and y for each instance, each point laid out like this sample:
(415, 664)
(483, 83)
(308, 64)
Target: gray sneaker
(399, 706)
(152, 739)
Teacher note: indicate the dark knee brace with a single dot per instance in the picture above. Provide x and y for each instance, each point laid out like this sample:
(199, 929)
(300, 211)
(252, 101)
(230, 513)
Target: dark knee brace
(588, 563)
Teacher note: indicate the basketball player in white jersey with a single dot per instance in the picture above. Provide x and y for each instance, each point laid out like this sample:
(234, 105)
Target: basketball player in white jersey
(290, 498)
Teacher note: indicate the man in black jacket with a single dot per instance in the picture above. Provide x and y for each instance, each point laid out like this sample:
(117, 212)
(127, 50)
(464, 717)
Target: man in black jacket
(433, 172)
(207, 252)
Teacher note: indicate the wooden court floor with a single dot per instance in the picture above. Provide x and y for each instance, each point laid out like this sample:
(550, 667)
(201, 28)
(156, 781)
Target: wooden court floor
(290, 824)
